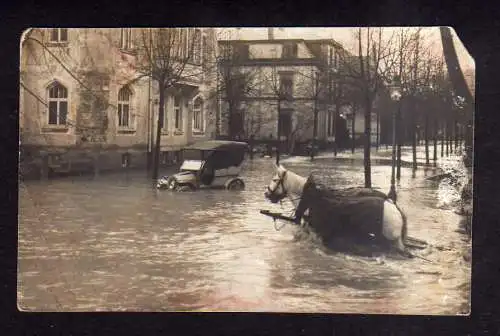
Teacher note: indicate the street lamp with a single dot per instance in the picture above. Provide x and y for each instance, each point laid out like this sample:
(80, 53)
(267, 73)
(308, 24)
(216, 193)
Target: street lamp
(395, 89)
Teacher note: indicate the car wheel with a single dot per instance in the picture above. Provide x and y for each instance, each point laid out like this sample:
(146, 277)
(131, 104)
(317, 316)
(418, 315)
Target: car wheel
(236, 185)
(172, 183)
(186, 187)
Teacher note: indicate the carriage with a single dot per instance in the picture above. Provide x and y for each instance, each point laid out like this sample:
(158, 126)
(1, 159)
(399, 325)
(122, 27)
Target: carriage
(208, 164)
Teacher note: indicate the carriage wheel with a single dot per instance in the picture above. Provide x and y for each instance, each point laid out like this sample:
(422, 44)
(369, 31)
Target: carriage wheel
(236, 185)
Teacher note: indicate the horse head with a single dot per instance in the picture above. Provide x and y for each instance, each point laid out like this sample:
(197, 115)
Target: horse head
(276, 189)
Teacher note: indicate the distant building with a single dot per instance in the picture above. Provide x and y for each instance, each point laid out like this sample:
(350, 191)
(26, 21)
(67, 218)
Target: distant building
(295, 73)
(80, 103)
(308, 74)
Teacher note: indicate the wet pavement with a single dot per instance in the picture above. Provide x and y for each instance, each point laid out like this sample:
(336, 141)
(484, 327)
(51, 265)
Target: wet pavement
(112, 243)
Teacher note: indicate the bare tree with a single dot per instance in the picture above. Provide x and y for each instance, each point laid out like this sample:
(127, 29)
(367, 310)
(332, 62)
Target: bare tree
(163, 55)
(280, 92)
(368, 73)
(301, 88)
(314, 88)
(460, 86)
(236, 84)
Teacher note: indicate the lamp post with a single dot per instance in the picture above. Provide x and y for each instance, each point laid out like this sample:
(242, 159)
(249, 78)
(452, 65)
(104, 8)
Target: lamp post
(395, 89)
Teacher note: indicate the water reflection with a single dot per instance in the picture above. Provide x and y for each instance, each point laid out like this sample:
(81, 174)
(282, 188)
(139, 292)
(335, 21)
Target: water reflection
(113, 243)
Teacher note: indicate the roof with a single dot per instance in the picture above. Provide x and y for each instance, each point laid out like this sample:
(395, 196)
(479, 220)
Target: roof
(217, 145)
(260, 41)
(280, 41)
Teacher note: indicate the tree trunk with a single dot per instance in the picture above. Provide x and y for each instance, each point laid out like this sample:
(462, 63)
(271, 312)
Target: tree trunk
(399, 127)
(435, 139)
(413, 132)
(414, 145)
(230, 120)
(426, 137)
(218, 107)
(315, 128)
(278, 144)
(442, 128)
(161, 113)
(367, 149)
(353, 129)
(335, 128)
(447, 137)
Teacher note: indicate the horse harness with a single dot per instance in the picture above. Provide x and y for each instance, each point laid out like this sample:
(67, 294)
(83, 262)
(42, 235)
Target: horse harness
(272, 192)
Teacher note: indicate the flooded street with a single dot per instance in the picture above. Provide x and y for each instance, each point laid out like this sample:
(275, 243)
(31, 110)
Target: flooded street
(114, 244)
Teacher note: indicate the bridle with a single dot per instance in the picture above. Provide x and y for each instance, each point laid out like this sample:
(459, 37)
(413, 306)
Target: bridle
(272, 192)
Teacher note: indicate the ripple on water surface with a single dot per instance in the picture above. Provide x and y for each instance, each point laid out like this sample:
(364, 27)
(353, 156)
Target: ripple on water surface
(114, 244)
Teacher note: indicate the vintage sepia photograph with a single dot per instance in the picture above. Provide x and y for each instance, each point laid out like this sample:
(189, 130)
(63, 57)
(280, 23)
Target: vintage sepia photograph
(256, 169)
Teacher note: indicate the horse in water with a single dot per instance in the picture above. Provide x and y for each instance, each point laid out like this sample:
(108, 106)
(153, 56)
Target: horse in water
(363, 216)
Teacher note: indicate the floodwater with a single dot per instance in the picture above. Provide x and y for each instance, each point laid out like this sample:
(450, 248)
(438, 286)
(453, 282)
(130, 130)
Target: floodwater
(113, 244)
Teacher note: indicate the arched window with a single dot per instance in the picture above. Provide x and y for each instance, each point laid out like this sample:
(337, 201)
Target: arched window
(58, 104)
(198, 114)
(124, 107)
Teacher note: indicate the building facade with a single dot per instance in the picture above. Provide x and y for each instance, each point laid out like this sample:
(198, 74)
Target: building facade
(84, 104)
(284, 85)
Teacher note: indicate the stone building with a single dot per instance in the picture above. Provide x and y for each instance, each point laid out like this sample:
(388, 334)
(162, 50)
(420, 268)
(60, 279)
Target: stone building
(291, 78)
(84, 105)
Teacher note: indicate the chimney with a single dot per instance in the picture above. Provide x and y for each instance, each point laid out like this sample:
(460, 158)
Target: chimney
(270, 33)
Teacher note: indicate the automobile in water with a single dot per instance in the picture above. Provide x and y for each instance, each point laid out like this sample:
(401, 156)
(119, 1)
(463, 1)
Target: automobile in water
(208, 164)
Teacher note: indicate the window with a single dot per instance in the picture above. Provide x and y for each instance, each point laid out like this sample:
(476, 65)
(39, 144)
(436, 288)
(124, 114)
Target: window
(58, 104)
(289, 50)
(187, 42)
(241, 52)
(164, 125)
(226, 49)
(286, 85)
(204, 49)
(198, 115)
(59, 35)
(178, 113)
(126, 38)
(285, 122)
(197, 52)
(124, 107)
(183, 45)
